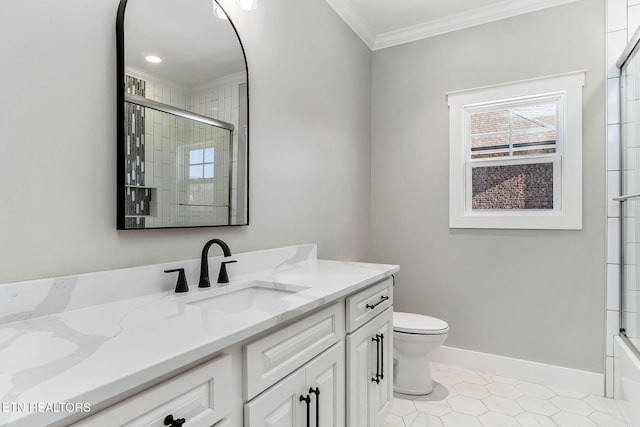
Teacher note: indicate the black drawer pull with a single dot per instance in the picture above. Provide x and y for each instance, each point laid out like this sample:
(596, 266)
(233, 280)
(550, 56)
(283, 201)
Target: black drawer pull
(307, 400)
(169, 421)
(316, 391)
(376, 379)
(381, 356)
(383, 298)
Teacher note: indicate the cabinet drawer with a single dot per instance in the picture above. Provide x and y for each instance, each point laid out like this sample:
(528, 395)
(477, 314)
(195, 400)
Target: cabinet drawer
(198, 395)
(270, 358)
(368, 303)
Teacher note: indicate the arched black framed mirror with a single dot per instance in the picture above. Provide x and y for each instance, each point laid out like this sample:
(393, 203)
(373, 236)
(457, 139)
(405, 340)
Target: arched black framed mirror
(183, 116)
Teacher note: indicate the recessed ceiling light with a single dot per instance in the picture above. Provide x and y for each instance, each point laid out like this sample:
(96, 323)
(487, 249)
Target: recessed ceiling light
(153, 59)
(248, 4)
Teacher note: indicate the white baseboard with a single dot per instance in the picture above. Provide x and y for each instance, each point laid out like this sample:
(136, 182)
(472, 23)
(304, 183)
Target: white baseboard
(566, 378)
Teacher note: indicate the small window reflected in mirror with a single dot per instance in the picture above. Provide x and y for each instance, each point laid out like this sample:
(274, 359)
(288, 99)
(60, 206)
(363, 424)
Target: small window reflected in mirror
(201, 164)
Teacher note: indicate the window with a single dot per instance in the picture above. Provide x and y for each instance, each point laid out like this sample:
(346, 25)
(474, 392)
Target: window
(516, 153)
(201, 162)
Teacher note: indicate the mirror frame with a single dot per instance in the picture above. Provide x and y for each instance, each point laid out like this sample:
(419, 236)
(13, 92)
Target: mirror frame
(120, 127)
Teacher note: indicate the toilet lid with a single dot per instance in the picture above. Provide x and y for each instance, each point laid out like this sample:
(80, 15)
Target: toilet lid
(418, 324)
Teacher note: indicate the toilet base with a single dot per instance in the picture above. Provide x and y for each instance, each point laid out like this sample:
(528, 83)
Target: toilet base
(413, 392)
(413, 376)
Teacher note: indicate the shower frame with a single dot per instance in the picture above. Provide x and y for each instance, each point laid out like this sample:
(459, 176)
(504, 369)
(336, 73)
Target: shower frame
(199, 118)
(627, 55)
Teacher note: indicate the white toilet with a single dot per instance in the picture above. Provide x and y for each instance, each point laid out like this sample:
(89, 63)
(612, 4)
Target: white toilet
(414, 337)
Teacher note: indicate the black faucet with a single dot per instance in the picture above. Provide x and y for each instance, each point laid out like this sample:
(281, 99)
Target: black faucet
(204, 264)
(181, 284)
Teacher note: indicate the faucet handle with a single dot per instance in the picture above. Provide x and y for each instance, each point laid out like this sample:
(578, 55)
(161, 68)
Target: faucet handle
(223, 277)
(181, 284)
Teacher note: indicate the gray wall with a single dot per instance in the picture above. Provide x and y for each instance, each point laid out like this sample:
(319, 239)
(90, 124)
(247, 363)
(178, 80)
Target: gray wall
(535, 295)
(310, 139)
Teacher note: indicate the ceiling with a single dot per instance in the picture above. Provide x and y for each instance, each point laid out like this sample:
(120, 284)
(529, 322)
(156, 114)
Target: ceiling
(196, 47)
(385, 23)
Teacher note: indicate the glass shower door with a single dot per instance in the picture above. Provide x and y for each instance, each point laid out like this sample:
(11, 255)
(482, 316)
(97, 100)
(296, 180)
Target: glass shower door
(630, 199)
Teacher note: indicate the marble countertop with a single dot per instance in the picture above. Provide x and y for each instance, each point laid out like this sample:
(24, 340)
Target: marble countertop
(98, 352)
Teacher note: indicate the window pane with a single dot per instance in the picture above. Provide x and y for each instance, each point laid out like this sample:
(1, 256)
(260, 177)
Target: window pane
(514, 129)
(208, 170)
(534, 142)
(489, 121)
(537, 116)
(534, 138)
(195, 172)
(530, 151)
(528, 186)
(195, 156)
(208, 155)
(495, 145)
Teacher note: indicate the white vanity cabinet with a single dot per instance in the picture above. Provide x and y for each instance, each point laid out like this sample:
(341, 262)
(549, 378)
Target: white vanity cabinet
(330, 368)
(297, 373)
(271, 357)
(370, 356)
(199, 396)
(312, 396)
(284, 397)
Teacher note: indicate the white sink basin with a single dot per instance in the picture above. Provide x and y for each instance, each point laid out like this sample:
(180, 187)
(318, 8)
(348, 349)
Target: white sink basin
(253, 295)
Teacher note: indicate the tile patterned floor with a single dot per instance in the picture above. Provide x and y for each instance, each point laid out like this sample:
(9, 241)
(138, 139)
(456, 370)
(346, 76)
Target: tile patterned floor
(466, 398)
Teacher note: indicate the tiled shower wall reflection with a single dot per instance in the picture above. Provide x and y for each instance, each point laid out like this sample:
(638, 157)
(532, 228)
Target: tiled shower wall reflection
(623, 18)
(137, 197)
(222, 103)
(164, 134)
(168, 139)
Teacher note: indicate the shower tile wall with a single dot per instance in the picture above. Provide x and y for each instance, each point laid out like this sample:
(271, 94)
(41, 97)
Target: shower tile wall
(137, 199)
(166, 151)
(222, 103)
(623, 18)
(163, 136)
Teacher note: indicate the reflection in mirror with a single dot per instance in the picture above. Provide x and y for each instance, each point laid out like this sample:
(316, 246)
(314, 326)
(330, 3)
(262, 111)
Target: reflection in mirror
(183, 116)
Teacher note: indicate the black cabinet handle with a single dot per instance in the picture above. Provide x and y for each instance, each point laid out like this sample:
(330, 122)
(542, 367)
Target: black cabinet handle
(307, 400)
(169, 421)
(381, 356)
(379, 340)
(376, 379)
(383, 298)
(316, 391)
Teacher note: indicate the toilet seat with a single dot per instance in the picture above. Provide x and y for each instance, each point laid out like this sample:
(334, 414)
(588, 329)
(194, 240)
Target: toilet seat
(411, 323)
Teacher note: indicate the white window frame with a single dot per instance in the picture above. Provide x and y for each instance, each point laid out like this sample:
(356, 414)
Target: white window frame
(198, 147)
(567, 211)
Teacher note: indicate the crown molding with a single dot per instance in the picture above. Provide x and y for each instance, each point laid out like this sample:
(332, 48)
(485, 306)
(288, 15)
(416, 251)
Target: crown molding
(471, 18)
(230, 80)
(350, 16)
(483, 15)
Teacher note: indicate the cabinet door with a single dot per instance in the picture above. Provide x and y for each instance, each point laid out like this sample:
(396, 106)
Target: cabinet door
(272, 357)
(383, 392)
(368, 401)
(361, 368)
(326, 375)
(280, 406)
